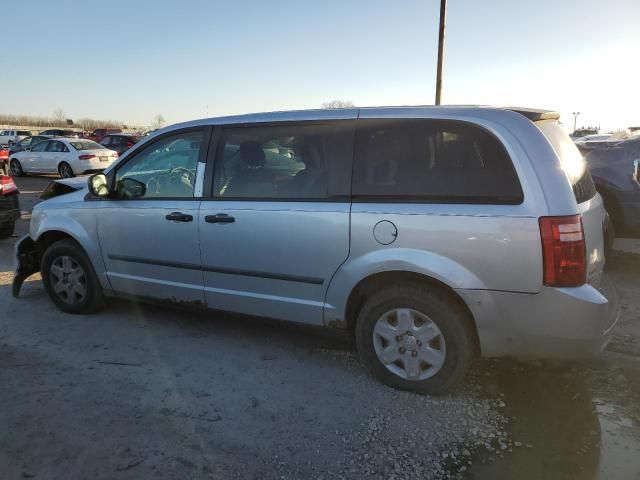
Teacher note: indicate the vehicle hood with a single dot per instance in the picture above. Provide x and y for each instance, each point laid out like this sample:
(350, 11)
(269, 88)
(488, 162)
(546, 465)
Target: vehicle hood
(76, 182)
(64, 186)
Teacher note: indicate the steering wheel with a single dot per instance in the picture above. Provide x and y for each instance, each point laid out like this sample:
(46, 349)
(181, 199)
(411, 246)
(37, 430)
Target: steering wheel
(190, 174)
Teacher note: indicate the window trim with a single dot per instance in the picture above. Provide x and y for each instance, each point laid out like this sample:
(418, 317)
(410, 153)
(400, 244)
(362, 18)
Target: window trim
(432, 199)
(202, 156)
(216, 144)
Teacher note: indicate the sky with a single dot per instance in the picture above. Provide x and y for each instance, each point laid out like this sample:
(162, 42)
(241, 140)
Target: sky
(131, 60)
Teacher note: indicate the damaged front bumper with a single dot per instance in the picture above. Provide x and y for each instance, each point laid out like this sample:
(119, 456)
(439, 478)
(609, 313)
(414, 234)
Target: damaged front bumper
(27, 263)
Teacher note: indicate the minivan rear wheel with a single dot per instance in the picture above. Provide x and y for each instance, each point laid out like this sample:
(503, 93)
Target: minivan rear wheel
(69, 278)
(415, 337)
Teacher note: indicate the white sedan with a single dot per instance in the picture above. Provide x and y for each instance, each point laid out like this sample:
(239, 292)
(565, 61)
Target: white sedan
(66, 156)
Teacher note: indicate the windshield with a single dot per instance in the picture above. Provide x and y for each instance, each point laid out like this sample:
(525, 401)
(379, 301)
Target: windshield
(86, 145)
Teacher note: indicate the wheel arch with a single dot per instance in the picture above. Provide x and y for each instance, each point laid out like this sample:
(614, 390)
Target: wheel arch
(57, 228)
(60, 163)
(377, 281)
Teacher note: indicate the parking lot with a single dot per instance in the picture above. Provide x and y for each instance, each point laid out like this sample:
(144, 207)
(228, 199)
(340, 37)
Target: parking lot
(141, 391)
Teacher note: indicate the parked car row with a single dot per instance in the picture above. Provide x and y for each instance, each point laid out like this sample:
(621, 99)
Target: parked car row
(66, 156)
(436, 234)
(56, 151)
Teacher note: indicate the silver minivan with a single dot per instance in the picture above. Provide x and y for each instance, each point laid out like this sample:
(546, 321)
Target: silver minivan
(436, 234)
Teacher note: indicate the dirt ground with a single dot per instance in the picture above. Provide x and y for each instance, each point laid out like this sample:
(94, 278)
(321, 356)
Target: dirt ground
(140, 391)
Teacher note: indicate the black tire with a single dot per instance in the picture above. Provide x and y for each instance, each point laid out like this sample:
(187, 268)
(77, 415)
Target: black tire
(15, 167)
(613, 208)
(65, 170)
(448, 315)
(93, 300)
(609, 235)
(7, 229)
(10, 143)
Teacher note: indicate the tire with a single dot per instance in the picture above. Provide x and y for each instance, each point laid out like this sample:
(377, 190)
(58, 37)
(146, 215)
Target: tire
(10, 143)
(609, 235)
(65, 170)
(6, 230)
(437, 306)
(613, 208)
(69, 299)
(15, 167)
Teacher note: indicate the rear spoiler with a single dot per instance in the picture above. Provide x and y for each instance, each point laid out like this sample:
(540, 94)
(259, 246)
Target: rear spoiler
(535, 115)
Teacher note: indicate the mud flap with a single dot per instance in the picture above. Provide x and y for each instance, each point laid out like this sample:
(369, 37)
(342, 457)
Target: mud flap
(27, 258)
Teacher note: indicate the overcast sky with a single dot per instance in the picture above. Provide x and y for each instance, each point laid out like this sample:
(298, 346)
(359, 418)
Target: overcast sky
(132, 59)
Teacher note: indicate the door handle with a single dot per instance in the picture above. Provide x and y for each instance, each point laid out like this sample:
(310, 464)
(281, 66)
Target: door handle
(219, 218)
(179, 217)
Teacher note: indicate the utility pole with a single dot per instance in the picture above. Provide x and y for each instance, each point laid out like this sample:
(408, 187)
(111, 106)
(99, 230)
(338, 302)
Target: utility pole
(443, 14)
(575, 120)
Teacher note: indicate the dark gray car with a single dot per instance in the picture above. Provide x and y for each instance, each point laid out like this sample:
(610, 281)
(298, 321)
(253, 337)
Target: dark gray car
(616, 173)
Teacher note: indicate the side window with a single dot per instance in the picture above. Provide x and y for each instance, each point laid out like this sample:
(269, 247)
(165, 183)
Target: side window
(106, 141)
(40, 146)
(432, 160)
(165, 169)
(293, 162)
(55, 147)
(26, 142)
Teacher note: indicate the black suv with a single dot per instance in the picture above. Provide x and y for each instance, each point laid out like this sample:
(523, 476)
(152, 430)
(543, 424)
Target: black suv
(9, 206)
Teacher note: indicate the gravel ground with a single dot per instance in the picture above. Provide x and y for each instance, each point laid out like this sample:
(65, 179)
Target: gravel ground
(141, 390)
(147, 392)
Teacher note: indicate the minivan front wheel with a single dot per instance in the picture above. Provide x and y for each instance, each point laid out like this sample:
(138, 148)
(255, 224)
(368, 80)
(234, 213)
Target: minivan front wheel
(415, 337)
(69, 278)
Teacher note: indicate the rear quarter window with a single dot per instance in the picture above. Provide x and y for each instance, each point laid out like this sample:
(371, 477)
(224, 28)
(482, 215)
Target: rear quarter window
(571, 160)
(427, 160)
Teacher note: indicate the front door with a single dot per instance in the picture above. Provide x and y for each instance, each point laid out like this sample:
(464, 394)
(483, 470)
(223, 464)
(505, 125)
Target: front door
(149, 232)
(277, 226)
(31, 161)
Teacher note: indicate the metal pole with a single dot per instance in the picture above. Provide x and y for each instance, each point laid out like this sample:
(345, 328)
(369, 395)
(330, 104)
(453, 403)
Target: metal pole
(443, 14)
(575, 120)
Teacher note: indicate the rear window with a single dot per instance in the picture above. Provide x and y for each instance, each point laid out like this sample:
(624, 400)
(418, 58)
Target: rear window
(86, 145)
(24, 132)
(430, 160)
(571, 160)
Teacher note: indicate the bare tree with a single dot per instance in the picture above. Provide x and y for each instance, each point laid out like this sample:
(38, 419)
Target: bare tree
(338, 104)
(59, 117)
(158, 122)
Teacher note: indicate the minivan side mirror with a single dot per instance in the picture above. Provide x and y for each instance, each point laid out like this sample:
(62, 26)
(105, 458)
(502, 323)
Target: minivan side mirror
(98, 185)
(131, 188)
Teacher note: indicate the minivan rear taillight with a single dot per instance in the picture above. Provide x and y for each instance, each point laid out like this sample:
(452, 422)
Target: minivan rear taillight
(563, 251)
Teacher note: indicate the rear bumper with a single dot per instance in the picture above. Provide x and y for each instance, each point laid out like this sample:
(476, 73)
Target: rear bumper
(93, 165)
(9, 215)
(557, 323)
(9, 208)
